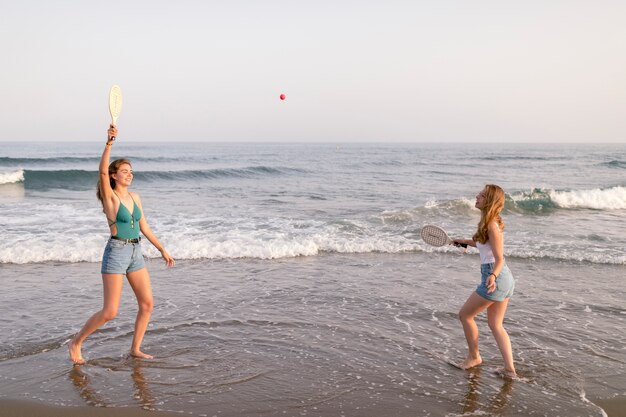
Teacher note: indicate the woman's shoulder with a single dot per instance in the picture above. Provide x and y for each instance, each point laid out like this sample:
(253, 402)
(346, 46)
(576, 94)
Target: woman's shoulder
(494, 226)
(135, 197)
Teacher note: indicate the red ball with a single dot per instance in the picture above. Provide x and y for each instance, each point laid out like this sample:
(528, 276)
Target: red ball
(282, 96)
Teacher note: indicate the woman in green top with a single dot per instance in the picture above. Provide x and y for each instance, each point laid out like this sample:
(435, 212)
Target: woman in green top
(122, 255)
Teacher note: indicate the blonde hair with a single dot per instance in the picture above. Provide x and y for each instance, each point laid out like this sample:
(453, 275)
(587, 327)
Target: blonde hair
(494, 203)
(113, 168)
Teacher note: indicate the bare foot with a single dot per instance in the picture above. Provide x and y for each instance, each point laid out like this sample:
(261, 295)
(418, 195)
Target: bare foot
(75, 355)
(470, 362)
(505, 373)
(141, 355)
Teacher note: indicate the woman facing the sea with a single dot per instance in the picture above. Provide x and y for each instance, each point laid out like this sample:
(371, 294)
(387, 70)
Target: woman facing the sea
(497, 282)
(122, 255)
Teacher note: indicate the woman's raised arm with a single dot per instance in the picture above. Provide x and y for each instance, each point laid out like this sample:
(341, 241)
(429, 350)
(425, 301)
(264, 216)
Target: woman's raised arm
(105, 186)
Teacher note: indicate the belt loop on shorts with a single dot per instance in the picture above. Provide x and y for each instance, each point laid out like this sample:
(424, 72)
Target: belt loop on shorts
(127, 240)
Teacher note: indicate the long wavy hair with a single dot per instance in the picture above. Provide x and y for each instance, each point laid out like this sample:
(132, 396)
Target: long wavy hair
(113, 168)
(494, 203)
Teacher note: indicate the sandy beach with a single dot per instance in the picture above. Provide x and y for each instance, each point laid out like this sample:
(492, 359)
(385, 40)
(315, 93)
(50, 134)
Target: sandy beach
(21, 408)
(614, 407)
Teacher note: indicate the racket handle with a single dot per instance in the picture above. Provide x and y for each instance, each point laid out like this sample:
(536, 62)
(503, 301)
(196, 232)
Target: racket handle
(463, 245)
(113, 125)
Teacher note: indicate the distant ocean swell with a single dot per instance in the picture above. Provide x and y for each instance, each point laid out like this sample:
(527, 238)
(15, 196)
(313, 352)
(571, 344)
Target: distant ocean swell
(94, 160)
(616, 164)
(91, 160)
(76, 178)
(537, 200)
(19, 162)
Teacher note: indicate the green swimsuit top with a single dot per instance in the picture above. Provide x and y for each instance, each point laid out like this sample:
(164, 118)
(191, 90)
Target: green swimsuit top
(127, 224)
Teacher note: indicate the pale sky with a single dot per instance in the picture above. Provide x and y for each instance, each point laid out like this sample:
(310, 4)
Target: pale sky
(352, 71)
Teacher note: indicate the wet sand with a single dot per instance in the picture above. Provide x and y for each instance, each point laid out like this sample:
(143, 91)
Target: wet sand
(614, 407)
(358, 336)
(21, 408)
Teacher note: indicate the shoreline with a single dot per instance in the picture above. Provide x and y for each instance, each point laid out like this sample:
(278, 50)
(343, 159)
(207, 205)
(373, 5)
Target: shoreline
(613, 407)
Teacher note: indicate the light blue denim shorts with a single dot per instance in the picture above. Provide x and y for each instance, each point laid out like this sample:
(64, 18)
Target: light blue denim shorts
(121, 257)
(505, 283)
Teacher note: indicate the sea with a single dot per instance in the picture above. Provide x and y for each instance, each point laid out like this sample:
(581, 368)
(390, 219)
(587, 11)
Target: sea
(302, 286)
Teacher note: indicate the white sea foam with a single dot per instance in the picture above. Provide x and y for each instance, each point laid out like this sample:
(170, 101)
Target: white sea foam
(600, 199)
(12, 177)
(68, 247)
(36, 232)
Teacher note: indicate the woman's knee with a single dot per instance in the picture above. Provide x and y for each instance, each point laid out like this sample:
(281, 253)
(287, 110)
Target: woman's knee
(146, 306)
(464, 316)
(495, 325)
(109, 314)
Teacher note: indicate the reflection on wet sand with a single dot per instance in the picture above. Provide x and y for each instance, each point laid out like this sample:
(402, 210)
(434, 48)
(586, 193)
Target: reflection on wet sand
(82, 381)
(496, 405)
(142, 390)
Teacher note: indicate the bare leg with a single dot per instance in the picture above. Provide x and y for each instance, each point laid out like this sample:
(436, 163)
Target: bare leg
(495, 315)
(472, 307)
(140, 283)
(112, 288)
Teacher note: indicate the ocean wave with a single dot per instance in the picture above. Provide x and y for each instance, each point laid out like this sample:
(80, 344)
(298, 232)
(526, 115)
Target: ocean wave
(73, 178)
(12, 177)
(245, 172)
(568, 255)
(522, 158)
(72, 250)
(533, 202)
(616, 164)
(9, 161)
(431, 211)
(250, 245)
(539, 200)
(90, 160)
(64, 179)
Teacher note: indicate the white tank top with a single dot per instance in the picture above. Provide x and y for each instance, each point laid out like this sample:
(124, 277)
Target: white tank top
(486, 252)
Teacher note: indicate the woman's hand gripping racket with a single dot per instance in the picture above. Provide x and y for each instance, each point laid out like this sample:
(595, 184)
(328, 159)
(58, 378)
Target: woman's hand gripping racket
(115, 104)
(436, 236)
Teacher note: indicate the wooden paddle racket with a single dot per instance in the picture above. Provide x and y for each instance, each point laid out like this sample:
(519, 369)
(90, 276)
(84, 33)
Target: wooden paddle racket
(436, 236)
(115, 103)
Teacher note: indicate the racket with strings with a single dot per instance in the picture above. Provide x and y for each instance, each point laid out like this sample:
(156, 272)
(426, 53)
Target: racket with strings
(115, 103)
(436, 236)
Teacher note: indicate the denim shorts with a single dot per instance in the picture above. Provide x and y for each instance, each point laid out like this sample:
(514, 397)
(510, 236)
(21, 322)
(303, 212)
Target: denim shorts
(120, 257)
(505, 283)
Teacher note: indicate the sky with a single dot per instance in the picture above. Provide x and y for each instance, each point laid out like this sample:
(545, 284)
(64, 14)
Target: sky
(352, 71)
